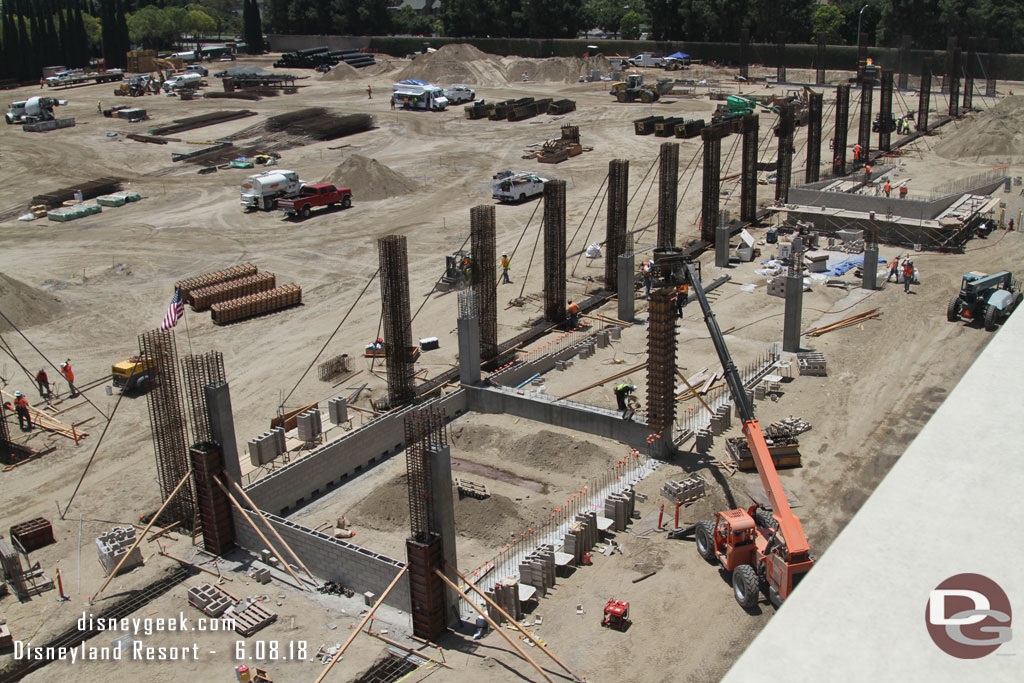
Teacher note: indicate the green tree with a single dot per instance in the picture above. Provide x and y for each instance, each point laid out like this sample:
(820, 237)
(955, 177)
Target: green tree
(829, 19)
(93, 30)
(199, 24)
(666, 20)
(629, 26)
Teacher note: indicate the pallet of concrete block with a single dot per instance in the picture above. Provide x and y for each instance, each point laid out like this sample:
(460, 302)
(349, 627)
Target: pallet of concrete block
(113, 546)
(619, 508)
(43, 126)
(253, 305)
(787, 455)
(812, 363)
(471, 489)
(118, 198)
(684, 490)
(209, 599)
(267, 446)
(204, 297)
(207, 279)
(309, 425)
(70, 213)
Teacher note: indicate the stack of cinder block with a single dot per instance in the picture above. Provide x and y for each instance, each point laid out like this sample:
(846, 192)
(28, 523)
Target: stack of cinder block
(586, 349)
(582, 536)
(337, 410)
(506, 594)
(113, 545)
(563, 364)
(310, 425)
(812, 363)
(538, 569)
(619, 507)
(615, 333)
(684, 490)
(704, 441)
(603, 339)
(209, 600)
(267, 446)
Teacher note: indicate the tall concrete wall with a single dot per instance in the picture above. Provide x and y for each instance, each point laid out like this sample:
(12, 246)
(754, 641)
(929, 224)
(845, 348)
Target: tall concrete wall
(331, 559)
(327, 467)
(521, 372)
(906, 208)
(568, 414)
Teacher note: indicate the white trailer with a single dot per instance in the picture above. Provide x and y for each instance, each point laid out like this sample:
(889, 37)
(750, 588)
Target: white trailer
(511, 186)
(412, 94)
(261, 191)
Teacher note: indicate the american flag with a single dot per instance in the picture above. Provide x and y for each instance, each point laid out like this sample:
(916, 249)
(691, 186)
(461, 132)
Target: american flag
(174, 311)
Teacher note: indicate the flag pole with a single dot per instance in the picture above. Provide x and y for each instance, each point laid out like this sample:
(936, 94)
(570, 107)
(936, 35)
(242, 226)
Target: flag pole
(188, 332)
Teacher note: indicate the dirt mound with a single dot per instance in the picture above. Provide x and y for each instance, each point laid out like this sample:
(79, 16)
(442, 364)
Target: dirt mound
(369, 179)
(380, 66)
(996, 135)
(469, 438)
(549, 451)
(341, 72)
(555, 69)
(25, 305)
(456, 63)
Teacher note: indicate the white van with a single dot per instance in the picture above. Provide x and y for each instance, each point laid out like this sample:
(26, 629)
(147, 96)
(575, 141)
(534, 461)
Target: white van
(412, 94)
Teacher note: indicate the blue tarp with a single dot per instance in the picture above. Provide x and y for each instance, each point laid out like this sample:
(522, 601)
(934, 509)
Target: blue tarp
(848, 264)
(679, 55)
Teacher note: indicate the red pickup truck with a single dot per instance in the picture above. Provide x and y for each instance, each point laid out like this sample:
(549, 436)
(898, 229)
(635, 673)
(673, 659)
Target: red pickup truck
(316, 194)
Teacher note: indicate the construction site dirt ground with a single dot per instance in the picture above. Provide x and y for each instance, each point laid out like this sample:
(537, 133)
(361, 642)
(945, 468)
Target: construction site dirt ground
(86, 289)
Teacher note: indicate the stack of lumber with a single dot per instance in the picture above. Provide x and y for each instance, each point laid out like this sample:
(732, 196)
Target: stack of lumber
(256, 304)
(45, 421)
(845, 322)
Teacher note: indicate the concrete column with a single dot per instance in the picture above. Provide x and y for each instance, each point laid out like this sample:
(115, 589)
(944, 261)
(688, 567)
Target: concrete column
(870, 279)
(722, 246)
(626, 290)
(794, 307)
(469, 350)
(443, 519)
(222, 427)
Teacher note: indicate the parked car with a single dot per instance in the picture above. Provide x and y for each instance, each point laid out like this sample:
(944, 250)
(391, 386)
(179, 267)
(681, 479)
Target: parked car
(314, 195)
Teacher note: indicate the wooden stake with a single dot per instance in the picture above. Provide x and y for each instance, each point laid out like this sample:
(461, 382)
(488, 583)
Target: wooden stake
(497, 629)
(162, 531)
(138, 538)
(273, 530)
(512, 621)
(366, 618)
(406, 649)
(195, 566)
(255, 528)
(690, 387)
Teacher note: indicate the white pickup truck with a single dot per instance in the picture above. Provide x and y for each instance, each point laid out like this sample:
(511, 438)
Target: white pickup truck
(457, 94)
(512, 186)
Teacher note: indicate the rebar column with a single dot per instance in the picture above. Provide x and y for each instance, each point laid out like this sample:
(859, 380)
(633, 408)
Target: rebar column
(867, 89)
(841, 130)
(903, 62)
(780, 56)
(990, 69)
(615, 231)
(885, 122)
(167, 422)
(748, 172)
(812, 169)
(744, 51)
(668, 185)
(554, 251)
(947, 58)
(954, 83)
(819, 60)
(661, 360)
(712, 138)
(784, 169)
(397, 326)
(6, 453)
(482, 236)
(199, 371)
(972, 60)
(924, 101)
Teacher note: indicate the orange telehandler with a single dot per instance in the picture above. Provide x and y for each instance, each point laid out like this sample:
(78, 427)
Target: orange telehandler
(762, 548)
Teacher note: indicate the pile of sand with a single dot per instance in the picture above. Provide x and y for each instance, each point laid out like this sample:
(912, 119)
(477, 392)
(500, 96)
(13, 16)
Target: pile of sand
(461, 63)
(341, 72)
(995, 135)
(369, 179)
(25, 305)
(549, 451)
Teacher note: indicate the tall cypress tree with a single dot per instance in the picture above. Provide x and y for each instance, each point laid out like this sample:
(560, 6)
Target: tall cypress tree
(24, 46)
(38, 38)
(124, 40)
(63, 35)
(79, 37)
(109, 30)
(8, 69)
(54, 49)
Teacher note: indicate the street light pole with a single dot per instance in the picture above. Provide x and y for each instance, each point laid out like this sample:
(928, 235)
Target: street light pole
(860, 16)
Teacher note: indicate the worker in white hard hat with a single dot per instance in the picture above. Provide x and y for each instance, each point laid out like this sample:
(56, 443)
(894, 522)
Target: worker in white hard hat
(21, 407)
(504, 268)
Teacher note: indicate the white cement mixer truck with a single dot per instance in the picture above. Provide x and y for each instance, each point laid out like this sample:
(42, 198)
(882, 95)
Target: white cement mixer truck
(32, 110)
(261, 191)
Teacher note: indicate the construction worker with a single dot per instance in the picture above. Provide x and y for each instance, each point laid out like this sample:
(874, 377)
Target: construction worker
(369, 92)
(894, 269)
(681, 295)
(573, 310)
(65, 369)
(856, 153)
(867, 173)
(903, 191)
(375, 346)
(908, 275)
(504, 268)
(525, 77)
(44, 383)
(622, 391)
(392, 103)
(887, 188)
(645, 271)
(21, 407)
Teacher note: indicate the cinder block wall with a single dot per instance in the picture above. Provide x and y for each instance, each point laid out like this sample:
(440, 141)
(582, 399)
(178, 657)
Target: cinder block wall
(331, 559)
(304, 480)
(519, 373)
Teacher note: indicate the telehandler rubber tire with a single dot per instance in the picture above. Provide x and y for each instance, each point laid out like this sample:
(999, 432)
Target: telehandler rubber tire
(991, 318)
(952, 309)
(705, 538)
(745, 586)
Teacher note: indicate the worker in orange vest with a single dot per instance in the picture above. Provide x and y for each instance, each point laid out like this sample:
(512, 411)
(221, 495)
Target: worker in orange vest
(21, 407)
(681, 296)
(887, 188)
(65, 369)
(894, 269)
(903, 191)
(504, 268)
(573, 309)
(856, 153)
(43, 380)
(908, 275)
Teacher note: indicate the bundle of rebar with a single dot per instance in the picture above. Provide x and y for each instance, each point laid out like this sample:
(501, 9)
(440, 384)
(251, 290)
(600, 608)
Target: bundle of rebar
(192, 122)
(204, 297)
(561, 107)
(711, 184)
(256, 304)
(666, 128)
(424, 433)
(645, 126)
(668, 183)
(186, 287)
(319, 124)
(845, 322)
(235, 95)
(89, 189)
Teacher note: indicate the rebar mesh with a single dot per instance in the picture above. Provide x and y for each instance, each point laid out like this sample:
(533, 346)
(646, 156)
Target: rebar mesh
(841, 130)
(424, 433)
(554, 251)
(668, 185)
(198, 371)
(5, 437)
(748, 170)
(784, 169)
(924, 101)
(394, 289)
(812, 169)
(467, 304)
(954, 82)
(615, 233)
(744, 51)
(661, 360)
(481, 232)
(780, 56)
(710, 186)
(867, 90)
(167, 422)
